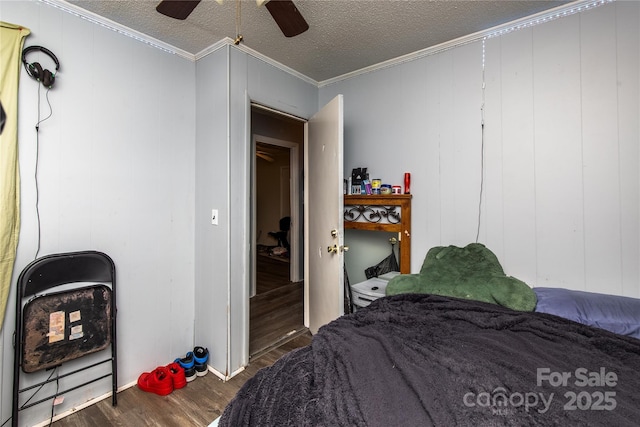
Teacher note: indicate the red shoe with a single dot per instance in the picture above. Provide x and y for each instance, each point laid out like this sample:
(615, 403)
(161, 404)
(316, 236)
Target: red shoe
(176, 372)
(157, 381)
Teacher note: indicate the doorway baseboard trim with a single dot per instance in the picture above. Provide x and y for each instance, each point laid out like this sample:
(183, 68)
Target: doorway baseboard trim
(285, 339)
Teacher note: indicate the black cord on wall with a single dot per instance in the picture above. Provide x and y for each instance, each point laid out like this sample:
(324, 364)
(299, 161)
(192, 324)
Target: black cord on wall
(55, 396)
(481, 181)
(481, 145)
(36, 165)
(54, 371)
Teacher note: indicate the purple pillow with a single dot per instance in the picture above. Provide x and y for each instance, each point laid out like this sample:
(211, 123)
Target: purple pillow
(613, 313)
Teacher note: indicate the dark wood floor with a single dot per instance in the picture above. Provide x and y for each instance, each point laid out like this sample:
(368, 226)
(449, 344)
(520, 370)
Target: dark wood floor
(275, 315)
(277, 310)
(276, 327)
(271, 273)
(197, 404)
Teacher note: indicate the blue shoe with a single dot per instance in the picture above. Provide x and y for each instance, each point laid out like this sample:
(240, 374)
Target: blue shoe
(188, 365)
(201, 356)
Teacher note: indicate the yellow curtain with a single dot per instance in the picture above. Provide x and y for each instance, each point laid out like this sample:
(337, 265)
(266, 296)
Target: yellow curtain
(11, 40)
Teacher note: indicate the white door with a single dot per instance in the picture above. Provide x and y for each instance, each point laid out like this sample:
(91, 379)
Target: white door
(324, 231)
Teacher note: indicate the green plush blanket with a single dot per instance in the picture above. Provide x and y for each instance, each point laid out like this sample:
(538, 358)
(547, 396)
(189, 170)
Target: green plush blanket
(472, 272)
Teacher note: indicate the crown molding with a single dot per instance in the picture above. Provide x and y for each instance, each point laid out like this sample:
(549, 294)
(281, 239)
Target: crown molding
(227, 41)
(526, 22)
(214, 47)
(118, 28)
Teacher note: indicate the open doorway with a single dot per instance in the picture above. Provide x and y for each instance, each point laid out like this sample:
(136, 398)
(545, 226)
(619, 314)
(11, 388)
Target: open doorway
(273, 207)
(276, 304)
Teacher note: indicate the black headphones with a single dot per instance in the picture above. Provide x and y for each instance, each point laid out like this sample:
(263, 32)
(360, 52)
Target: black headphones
(36, 71)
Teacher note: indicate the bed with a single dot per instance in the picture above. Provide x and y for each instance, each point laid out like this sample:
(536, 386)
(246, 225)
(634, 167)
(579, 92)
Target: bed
(422, 359)
(459, 344)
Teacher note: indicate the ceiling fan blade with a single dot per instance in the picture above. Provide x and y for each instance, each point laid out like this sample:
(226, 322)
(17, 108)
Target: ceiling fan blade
(178, 9)
(265, 156)
(287, 16)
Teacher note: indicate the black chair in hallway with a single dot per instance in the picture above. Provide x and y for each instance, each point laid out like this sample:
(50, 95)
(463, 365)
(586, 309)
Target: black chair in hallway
(281, 236)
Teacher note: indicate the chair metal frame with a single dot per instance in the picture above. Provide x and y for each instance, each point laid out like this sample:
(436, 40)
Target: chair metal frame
(49, 272)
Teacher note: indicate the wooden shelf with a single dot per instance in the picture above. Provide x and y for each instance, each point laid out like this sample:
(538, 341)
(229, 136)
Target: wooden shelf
(390, 213)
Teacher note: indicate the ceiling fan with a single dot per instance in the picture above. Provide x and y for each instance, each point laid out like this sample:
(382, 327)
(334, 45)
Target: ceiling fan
(284, 12)
(265, 156)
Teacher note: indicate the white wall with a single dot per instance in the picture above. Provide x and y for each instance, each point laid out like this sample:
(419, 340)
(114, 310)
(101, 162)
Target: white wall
(117, 171)
(564, 150)
(255, 80)
(561, 160)
(212, 258)
(115, 175)
(227, 80)
(421, 117)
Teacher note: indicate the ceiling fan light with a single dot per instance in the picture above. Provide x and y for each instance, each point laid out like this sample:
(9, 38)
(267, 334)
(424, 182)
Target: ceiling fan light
(261, 2)
(220, 2)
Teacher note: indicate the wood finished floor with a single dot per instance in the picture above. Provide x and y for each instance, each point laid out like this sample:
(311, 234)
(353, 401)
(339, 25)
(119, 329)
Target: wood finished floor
(197, 404)
(271, 273)
(276, 311)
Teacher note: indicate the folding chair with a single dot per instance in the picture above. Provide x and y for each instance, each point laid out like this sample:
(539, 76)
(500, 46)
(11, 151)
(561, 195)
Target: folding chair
(54, 327)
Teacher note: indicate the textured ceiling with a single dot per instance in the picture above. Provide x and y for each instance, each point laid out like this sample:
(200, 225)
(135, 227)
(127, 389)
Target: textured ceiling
(344, 35)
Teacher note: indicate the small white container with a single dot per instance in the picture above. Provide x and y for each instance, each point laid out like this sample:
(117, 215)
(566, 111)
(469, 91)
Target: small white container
(364, 293)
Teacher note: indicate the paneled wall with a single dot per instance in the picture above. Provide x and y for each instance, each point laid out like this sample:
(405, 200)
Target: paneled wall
(557, 157)
(251, 79)
(115, 174)
(421, 117)
(143, 144)
(211, 185)
(562, 150)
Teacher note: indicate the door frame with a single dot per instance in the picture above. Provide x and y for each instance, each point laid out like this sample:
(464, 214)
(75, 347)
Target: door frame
(295, 272)
(250, 224)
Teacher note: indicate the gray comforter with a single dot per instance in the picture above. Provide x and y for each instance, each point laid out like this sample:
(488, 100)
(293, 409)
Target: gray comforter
(421, 360)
